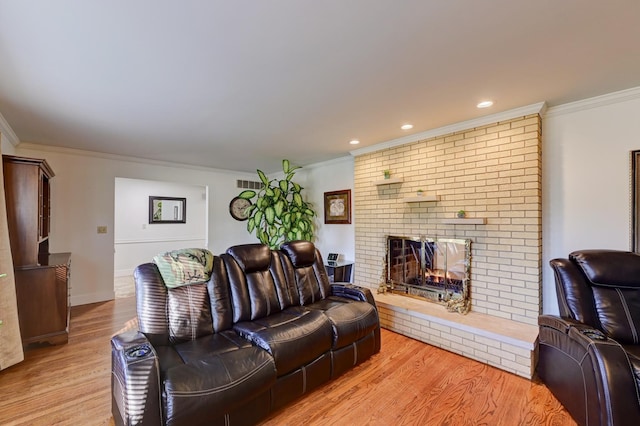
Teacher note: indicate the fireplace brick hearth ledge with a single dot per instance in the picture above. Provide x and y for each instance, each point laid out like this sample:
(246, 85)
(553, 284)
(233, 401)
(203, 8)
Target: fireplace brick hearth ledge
(503, 343)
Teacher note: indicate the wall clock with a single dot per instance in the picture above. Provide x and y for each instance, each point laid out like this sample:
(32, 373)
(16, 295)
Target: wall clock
(238, 208)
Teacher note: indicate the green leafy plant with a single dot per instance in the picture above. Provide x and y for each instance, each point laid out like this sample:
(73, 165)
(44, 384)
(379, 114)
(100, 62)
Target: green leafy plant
(279, 213)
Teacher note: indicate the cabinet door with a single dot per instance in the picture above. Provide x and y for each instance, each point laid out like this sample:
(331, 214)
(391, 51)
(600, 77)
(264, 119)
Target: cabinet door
(44, 206)
(42, 304)
(21, 192)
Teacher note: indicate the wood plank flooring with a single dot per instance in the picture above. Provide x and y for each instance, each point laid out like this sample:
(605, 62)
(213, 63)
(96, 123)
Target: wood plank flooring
(408, 383)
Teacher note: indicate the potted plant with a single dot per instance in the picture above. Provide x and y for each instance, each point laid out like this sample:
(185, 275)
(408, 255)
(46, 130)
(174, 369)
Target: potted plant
(387, 174)
(461, 214)
(279, 213)
(419, 192)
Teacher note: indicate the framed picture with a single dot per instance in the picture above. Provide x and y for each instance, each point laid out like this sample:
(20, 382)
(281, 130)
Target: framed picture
(337, 207)
(167, 210)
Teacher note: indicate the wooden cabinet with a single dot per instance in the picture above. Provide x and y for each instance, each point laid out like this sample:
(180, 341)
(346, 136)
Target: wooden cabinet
(42, 279)
(42, 292)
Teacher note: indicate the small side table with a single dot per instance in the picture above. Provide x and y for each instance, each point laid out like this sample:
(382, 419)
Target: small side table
(339, 272)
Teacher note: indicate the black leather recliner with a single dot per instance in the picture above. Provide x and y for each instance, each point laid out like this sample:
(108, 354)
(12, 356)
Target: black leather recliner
(589, 356)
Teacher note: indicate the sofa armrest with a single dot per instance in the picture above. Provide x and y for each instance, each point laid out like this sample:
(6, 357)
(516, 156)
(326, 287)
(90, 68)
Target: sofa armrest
(577, 360)
(135, 380)
(353, 292)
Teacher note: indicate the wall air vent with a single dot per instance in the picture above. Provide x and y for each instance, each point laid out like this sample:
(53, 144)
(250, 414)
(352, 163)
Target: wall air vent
(249, 184)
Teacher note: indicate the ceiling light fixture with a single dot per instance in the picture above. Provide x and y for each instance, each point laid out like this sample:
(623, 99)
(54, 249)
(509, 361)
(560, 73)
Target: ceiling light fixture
(406, 126)
(354, 142)
(485, 104)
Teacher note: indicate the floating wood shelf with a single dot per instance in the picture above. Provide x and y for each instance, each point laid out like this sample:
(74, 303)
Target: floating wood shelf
(388, 181)
(421, 199)
(466, 221)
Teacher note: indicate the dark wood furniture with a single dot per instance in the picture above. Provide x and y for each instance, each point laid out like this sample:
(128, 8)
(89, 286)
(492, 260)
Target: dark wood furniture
(339, 272)
(42, 278)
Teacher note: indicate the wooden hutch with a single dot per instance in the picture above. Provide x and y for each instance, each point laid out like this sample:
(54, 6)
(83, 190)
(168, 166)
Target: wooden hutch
(42, 278)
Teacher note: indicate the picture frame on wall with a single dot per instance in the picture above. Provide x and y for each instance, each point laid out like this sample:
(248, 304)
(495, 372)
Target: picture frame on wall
(337, 207)
(167, 210)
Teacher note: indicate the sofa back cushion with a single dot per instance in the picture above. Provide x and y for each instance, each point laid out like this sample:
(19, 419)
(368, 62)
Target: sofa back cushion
(188, 312)
(614, 278)
(171, 315)
(252, 287)
(307, 272)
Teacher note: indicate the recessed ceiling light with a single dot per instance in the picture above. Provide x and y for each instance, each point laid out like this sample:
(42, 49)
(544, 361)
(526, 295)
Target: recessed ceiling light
(406, 126)
(485, 104)
(354, 142)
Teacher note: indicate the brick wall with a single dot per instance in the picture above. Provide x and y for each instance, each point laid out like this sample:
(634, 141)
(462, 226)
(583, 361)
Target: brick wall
(493, 172)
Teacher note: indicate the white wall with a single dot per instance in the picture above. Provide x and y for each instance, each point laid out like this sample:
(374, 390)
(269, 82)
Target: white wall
(136, 240)
(586, 170)
(5, 146)
(585, 174)
(324, 177)
(83, 198)
(586, 196)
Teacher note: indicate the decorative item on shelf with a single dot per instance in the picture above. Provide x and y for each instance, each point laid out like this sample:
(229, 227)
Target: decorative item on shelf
(383, 287)
(461, 214)
(419, 192)
(279, 213)
(387, 174)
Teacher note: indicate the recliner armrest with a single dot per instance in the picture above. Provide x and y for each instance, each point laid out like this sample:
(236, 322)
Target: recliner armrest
(354, 292)
(603, 362)
(135, 380)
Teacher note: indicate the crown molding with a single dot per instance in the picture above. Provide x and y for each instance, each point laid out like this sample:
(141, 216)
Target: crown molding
(339, 160)
(595, 102)
(7, 131)
(116, 157)
(537, 108)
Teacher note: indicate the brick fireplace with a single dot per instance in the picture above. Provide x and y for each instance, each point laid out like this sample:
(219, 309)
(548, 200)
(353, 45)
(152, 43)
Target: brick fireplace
(493, 172)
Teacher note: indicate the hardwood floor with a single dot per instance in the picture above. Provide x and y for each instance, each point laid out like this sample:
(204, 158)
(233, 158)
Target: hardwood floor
(408, 383)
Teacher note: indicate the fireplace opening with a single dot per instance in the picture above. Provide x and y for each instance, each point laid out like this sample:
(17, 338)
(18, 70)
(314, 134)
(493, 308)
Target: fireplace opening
(435, 269)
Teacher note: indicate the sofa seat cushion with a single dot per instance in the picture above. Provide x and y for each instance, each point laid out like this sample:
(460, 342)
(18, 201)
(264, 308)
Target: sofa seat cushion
(218, 343)
(211, 383)
(294, 337)
(350, 320)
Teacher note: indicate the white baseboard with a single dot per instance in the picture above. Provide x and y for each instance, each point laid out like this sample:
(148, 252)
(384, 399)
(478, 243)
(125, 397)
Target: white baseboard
(85, 299)
(123, 272)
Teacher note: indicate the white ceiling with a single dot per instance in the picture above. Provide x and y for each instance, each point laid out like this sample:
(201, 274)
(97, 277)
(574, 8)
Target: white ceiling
(241, 84)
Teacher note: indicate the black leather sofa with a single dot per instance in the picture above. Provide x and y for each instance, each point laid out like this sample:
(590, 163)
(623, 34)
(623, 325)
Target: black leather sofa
(264, 329)
(589, 356)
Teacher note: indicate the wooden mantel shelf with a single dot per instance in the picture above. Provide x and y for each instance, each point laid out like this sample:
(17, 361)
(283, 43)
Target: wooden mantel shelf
(465, 221)
(388, 181)
(421, 199)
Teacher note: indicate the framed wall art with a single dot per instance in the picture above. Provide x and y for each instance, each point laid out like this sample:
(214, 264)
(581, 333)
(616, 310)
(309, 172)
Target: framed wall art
(337, 207)
(167, 210)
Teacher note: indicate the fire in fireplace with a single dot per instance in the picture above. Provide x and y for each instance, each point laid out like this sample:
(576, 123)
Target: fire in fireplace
(436, 269)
